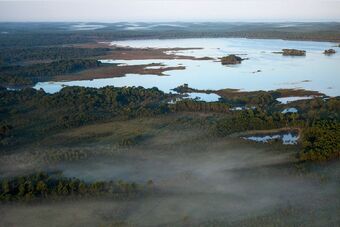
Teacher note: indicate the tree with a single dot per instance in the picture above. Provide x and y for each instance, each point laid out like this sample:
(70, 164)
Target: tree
(5, 186)
(42, 188)
(22, 189)
(321, 141)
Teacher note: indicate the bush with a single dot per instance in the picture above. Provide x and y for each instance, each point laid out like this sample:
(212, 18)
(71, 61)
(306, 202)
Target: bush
(321, 141)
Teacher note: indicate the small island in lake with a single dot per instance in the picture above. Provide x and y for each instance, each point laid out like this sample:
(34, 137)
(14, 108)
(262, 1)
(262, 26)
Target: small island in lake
(231, 60)
(329, 52)
(293, 52)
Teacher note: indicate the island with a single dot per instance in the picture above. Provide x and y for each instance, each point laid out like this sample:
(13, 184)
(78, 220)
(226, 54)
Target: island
(231, 60)
(293, 52)
(329, 51)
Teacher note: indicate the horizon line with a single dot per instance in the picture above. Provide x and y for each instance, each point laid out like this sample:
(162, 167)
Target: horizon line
(171, 21)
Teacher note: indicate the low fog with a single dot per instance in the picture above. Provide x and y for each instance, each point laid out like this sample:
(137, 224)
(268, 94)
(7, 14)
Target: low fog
(200, 180)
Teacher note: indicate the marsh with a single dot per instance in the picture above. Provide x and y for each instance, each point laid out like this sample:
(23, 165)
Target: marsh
(200, 179)
(139, 124)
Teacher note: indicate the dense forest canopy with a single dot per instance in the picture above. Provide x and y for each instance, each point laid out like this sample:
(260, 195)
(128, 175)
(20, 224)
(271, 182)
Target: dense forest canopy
(76, 106)
(44, 71)
(12, 56)
(53, 186)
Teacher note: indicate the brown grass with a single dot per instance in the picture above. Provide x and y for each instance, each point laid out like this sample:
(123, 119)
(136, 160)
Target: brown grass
(111, 71)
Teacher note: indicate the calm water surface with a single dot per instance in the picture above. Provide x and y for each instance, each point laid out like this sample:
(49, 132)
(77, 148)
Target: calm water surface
(315, 71)
(287, 138)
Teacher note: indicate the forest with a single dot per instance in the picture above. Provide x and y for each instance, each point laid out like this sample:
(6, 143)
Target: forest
(74, 106)
(24, 75)
(54, 186)
(17, 56)
(77, 106)
(321, 141)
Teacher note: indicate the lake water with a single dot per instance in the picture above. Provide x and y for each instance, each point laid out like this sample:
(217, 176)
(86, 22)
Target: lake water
(286, 138)
(264, 70)
(86, 27)
(290, 110)
(286, 100)
(138, 26)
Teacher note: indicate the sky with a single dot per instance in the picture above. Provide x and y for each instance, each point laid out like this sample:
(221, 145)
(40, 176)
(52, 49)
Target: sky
(170, 10)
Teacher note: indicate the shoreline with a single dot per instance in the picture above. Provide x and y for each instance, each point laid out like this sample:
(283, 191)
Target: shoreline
(230, 37)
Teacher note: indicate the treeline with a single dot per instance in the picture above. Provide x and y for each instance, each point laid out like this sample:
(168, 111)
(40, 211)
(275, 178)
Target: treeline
(15, 81)
(55, 186)
(125, 101)
(321, 141)
(54, 35)
(5, 131)
(43, 71)
(31, 113)
(9, 56)
(319, 109)
(42, 38)
(259, 99)
(240, 121)
(259, 117)
(199, 106)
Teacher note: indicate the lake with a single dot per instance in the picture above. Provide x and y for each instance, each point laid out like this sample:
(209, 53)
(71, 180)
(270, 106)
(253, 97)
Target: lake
(264, 70)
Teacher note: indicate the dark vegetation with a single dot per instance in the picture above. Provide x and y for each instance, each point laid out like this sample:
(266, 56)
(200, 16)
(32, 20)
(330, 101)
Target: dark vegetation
(55, 186)
(15, 56)
(32, 112)
(293, 52)
(26, 66)
(29, 114)
(321, 141)
(34, 38)
(231, 60)
(259, 99)
(200, 106)
(318, 118)
(20, 66)
(44, 71)
(253, 120)
(329, 52)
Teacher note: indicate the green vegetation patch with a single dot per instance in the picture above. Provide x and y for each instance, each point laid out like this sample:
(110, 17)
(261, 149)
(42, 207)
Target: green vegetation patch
(53, 186)
(321, 141)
